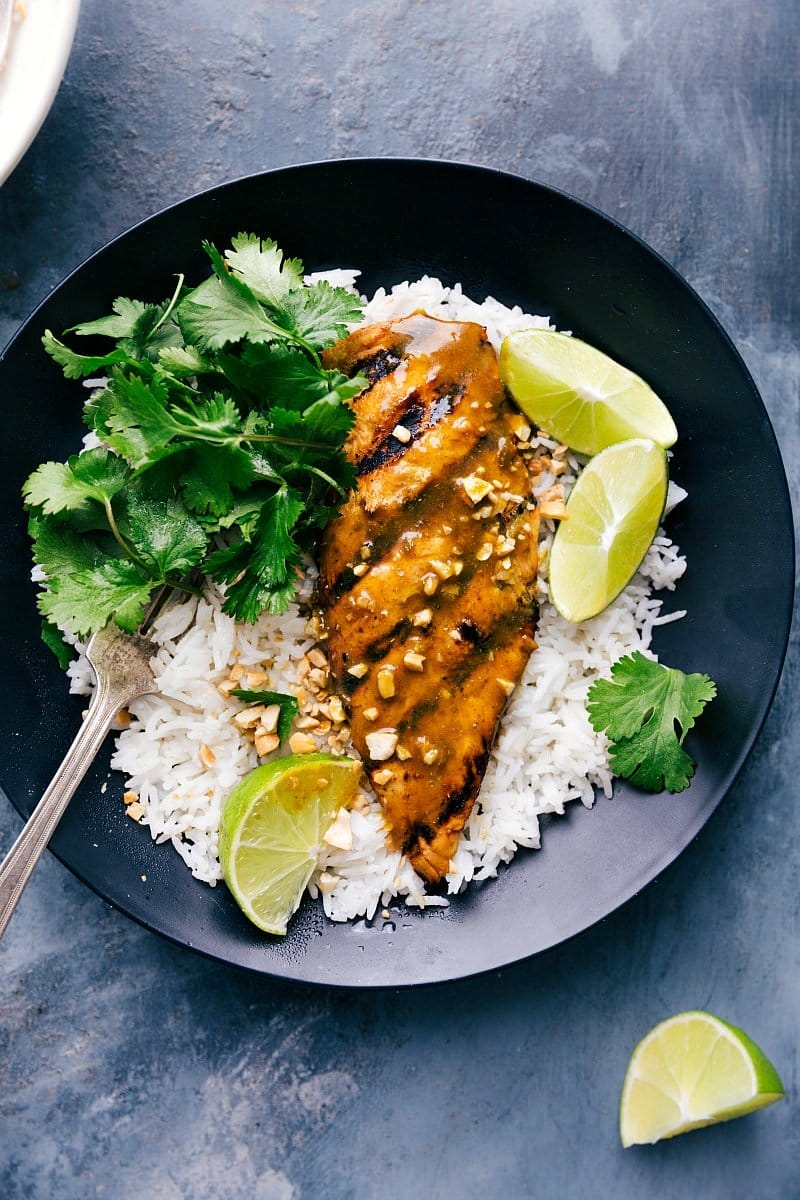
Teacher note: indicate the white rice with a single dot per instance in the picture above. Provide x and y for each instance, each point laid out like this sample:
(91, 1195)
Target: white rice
(546, 755)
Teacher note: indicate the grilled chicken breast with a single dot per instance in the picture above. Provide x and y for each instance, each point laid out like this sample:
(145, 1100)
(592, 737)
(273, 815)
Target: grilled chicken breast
(427, 574)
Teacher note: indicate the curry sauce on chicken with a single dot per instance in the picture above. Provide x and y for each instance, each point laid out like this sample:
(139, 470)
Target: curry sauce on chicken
(427, 574)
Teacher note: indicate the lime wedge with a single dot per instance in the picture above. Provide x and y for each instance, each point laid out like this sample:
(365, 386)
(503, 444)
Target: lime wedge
(578, 394)
(613, 513)
(271, 829)
(692, 1070)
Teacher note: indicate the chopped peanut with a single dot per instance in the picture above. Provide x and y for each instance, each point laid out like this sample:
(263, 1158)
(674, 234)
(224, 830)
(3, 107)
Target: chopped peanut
(266, 743)
(248, 718)
(360, 570)
(336, 710)
(413, 661)
(327, 883)
(402, 434)
(317, 658)
(358, 670)
(270, 717)
(484, 552)
(556, 510)
(383, 776)
(129, 797)
(554, 492)
(306, 722)
(423, 617)
(506, 685)
(430, 583)
(381, 744)
(340, 833)
(302, 743)
(207, 756)
(370, 714)
(430, 756)
(385, 679)
(475, 487)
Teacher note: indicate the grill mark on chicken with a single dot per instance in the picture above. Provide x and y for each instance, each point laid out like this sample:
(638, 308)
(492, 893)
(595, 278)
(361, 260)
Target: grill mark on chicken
(427, 592)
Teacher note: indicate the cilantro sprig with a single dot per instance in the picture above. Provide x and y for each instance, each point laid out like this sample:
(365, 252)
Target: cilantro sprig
(221, 444)
(646, 709)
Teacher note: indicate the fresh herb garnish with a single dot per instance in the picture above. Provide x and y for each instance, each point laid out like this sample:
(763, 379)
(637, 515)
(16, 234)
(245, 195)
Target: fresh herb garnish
(287, 704)
(221, 444)
(646, 709)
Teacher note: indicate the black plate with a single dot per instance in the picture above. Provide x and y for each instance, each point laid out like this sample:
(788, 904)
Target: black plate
(528, 245)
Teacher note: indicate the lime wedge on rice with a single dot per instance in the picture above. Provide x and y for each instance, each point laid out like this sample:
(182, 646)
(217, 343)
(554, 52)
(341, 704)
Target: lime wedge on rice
(692, 1070)
(613, 512)
(272, 827)
(579, 395)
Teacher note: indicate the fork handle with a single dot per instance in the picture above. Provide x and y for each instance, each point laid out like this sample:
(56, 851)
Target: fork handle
(26, 851)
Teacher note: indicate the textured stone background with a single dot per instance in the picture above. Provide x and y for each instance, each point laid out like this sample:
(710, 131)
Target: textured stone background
(130, 1068)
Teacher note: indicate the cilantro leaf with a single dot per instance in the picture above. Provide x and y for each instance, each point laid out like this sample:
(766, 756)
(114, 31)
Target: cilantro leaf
(131, 416)
(260, 264)
(166, 537)
(152, 333)
(217, 414)
(210, 476)
(320, 314)
(76, 366)
(94, 475)
(125, 314)
(183, 360)
(261, 572)
(53, 639)
(86, 600)
(646, 709)
(223, 310)
(60, 550)
(288, 706)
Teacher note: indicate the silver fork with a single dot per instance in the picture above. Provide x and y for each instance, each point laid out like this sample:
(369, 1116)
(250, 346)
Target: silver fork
(121, 665)
(6, 15)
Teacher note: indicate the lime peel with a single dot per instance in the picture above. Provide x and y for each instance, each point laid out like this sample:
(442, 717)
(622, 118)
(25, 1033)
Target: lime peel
(578, 394)
(612, 515)
(272, 827)
(692, 1070)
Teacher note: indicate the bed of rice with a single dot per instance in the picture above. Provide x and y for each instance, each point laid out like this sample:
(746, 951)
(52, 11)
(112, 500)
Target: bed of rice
(546, 755)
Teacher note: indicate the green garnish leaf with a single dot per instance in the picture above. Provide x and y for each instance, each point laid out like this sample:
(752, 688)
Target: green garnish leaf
(76, 366)
(262, 572)
(167, 539)
(87, 600)
(120, 324)
(646, 710)
(288, 706)
(319, 315)
(222, 444)
(94, 475)
(261, 266)
(53, 639)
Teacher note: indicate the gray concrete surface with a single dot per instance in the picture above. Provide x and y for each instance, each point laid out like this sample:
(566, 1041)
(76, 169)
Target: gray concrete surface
(132, 1069)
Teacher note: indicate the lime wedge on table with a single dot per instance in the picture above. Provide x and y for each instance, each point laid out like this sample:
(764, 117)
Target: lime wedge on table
(613, 513)
(692, 1070)
(271, 829)
(580, 395)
